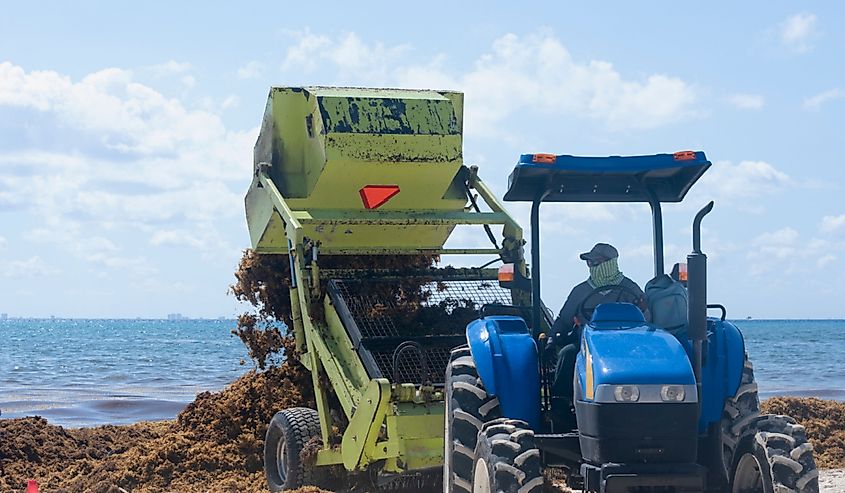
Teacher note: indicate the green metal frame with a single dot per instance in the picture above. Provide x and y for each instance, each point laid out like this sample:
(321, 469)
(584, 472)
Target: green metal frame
(399, 424)
(317, 150)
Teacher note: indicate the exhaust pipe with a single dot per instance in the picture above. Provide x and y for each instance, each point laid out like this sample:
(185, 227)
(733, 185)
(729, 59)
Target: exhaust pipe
(697, 292)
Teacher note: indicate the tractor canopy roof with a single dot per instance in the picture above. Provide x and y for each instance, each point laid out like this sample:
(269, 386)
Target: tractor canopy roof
(660, 177)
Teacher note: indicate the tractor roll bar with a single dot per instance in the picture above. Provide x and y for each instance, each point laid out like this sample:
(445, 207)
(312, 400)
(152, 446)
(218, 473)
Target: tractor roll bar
(657, 224)
(536, 302)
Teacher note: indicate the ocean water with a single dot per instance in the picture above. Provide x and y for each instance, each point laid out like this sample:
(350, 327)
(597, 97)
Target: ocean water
(90, 372)
(803, 358)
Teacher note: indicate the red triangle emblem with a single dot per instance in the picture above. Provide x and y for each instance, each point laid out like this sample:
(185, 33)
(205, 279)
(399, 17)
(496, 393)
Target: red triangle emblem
(375, 196)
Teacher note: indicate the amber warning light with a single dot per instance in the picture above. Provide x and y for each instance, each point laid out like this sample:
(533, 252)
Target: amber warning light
(544, 158)
(679, 273)
(506, 273)
(684, 156)
(375, 196)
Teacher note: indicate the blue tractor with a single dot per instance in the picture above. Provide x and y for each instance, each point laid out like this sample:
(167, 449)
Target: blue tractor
(664, 405)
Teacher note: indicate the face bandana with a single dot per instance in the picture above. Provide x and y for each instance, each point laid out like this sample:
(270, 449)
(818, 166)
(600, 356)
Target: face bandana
(605, 274)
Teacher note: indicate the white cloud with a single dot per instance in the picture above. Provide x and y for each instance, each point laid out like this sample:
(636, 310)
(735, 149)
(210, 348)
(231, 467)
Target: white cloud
(833, 223)
(3, 242)
(785, 252)
(170, 67)
(135, 159)
(348, 53)
(252, 70)
(738, 183)
(816, 102)
(231, 101)
(31, 267)
(798, 32)
(135, 265)
(825, 260)
(189, 81)
(98, 251)
(535, 73)
(175, 238)
(782, 237)
(306, 52)
(747, 101)
(129, 116)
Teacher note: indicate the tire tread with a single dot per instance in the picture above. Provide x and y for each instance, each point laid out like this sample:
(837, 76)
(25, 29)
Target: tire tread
(299, 425)
(468, 407)
(789, 453)
(510, 452)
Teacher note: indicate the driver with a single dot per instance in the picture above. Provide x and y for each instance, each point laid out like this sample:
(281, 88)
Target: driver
(604, 271)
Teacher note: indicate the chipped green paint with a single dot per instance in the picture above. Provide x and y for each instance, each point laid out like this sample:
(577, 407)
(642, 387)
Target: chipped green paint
(388, 116)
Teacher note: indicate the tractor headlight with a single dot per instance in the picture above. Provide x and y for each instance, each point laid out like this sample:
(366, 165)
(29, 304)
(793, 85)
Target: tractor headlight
(672, 393)
(626, 393)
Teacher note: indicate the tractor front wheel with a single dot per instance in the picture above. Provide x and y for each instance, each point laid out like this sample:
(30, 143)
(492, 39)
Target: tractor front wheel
(468, 406)
(738, 417)
(506, 459)
(287, 434)
(777, 459)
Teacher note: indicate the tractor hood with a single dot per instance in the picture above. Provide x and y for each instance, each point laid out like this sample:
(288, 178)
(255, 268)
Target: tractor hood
(638, 355)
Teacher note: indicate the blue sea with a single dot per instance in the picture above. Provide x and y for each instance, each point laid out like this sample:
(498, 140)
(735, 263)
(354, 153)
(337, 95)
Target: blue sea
(91, 372)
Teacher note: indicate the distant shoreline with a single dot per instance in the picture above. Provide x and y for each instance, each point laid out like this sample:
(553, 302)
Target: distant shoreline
(143, 319)
(233, 319)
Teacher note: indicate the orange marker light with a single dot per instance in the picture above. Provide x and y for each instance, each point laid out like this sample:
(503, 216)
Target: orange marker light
(506, 273)
(544, 158)
(682, 272)
(684, 156)
(375, 196)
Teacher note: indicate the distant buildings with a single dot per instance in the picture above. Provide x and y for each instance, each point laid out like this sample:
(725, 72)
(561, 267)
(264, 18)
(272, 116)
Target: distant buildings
(4, 316)
(175, 316)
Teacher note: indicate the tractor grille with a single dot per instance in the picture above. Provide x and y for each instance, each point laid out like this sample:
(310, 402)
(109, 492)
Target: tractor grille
(407, 338)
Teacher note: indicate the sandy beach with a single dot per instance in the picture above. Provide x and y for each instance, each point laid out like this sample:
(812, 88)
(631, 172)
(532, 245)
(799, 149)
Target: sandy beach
(832, 480)
(215, 444)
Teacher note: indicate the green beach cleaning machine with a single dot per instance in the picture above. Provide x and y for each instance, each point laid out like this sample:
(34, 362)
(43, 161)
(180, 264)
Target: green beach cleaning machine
(361, 188)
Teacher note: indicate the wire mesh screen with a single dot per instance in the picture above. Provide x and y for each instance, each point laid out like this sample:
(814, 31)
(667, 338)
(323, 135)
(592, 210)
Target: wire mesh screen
(415, 367)
(404, 331)
(376, 310)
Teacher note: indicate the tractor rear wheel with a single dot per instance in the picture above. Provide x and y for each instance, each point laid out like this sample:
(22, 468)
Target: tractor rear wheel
(777, 459)
(506, 459)
(287, 434)
(738, 417)
(468, 407)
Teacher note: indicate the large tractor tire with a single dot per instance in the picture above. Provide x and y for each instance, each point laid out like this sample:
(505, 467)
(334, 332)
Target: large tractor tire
(287, 434)
(468, 407)
(778, 459)
(738, 417)
(507, 459)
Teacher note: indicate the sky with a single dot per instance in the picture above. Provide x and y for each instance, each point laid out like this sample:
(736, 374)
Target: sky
(126, 134)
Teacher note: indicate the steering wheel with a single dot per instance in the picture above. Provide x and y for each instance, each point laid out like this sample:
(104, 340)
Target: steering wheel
(621, 288)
